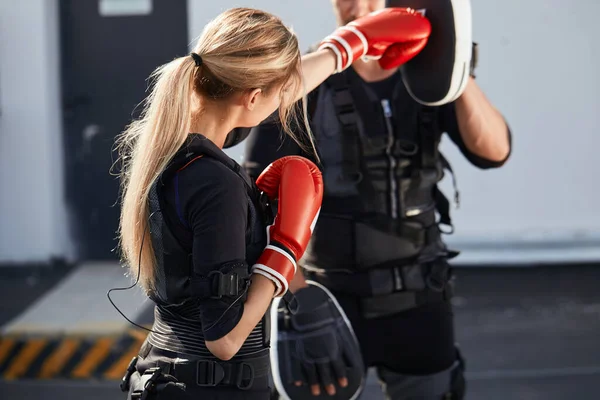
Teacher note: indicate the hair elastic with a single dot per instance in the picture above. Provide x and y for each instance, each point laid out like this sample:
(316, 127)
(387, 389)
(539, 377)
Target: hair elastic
(197, 59)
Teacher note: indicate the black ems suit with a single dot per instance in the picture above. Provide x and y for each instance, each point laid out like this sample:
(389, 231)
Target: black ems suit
(377, 244)
(208, 225)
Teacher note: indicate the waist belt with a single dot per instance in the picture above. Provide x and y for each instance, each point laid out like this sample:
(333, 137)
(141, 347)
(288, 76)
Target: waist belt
(386, 291)
(239, 372)
(380, 306)
(386, 280)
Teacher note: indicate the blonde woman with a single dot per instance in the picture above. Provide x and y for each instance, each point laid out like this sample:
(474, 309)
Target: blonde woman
(193, 227)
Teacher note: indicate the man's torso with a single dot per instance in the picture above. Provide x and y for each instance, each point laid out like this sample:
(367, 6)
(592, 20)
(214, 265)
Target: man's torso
(380, 175)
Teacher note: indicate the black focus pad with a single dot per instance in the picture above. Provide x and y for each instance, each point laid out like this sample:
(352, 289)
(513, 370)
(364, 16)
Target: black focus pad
(440, 72)
(316, 345)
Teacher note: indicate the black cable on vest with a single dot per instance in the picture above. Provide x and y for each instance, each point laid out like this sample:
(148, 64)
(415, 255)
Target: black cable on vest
(137, 281)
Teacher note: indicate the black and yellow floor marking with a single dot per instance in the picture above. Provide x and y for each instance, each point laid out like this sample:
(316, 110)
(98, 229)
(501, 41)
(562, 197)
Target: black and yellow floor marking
(68, 357)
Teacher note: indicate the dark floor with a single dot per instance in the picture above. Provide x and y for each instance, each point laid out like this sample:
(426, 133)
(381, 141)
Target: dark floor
(527, 333)
(21, 285)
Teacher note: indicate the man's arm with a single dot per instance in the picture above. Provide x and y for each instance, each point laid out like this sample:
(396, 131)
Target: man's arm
(477, 128)
(482, 128)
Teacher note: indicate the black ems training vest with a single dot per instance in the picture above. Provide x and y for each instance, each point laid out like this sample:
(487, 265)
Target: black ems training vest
(178, 288)
(381, 167)
(172, 241)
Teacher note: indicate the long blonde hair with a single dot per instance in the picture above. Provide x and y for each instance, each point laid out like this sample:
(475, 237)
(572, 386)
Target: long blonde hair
(241, 49)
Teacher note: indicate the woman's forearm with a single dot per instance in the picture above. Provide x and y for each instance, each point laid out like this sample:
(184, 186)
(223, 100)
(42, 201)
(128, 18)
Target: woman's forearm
(316, 67)
(259, 298)
(257, 303)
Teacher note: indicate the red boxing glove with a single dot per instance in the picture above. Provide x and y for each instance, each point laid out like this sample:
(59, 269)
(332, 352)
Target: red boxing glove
(298, 185)
(391, 35)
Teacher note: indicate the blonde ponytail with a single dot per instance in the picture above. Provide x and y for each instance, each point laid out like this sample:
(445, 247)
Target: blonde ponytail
(145, 149)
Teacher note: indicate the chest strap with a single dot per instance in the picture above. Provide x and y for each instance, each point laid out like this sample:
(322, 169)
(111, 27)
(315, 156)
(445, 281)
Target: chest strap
(346, 97)
(430, 155)
(348, 118)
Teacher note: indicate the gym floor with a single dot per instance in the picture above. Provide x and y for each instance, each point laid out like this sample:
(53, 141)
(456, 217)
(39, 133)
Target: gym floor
(527, 333)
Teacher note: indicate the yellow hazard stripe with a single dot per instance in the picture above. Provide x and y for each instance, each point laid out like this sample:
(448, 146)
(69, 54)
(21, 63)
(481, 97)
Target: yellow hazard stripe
(24, 359)
(98, 352)
(59, 358)
(6, 345)
(117, 370)
(105, 357)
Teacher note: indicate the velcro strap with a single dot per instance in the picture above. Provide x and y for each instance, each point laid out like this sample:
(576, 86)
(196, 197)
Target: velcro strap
(446, 165)
(291, 302)
(443, 208)
(375, 307)
(227, 282)
(428, 131)
(343, 101)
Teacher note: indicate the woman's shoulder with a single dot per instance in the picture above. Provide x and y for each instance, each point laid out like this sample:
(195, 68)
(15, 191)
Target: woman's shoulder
(208, 174)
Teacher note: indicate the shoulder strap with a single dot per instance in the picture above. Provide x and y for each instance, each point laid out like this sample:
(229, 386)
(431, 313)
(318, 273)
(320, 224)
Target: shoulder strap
(347, 115)
(430, 155)
(427, 127)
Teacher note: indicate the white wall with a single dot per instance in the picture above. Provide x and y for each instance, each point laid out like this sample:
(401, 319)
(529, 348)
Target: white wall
(539, 63)
(539, 66)
(32, 214)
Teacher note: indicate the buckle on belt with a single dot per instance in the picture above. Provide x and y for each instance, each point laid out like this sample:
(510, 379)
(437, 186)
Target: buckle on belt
(212, 373)
(437, 278)
(209, 373)
(240, 376)
(124, 385)
(435, 284)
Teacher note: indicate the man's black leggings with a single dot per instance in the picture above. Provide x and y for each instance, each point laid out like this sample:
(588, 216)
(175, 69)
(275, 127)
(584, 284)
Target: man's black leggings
(414, 351)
